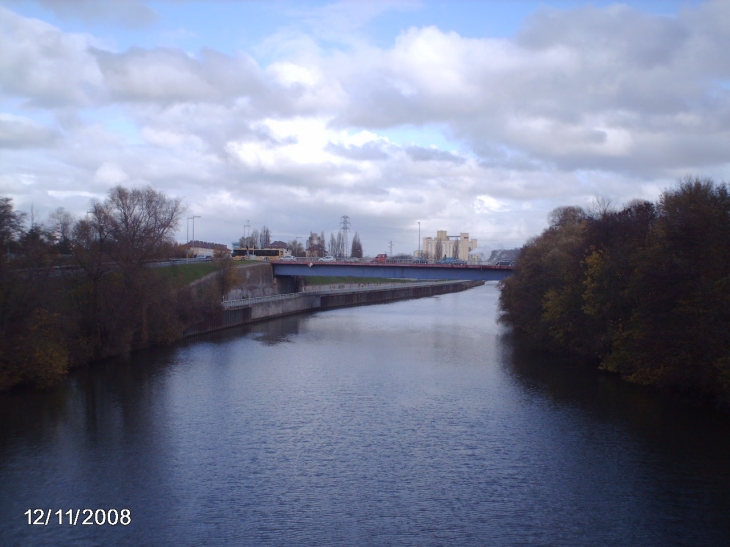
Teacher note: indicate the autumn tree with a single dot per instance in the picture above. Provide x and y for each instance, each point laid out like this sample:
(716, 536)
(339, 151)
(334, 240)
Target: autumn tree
(643, 290)
(118, 301)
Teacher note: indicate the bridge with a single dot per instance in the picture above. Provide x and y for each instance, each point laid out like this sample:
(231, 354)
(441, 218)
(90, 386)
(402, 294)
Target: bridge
(392, 271)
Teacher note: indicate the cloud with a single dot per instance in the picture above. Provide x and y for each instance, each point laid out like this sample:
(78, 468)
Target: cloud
(169, 75)
(130, 13)
(584, 101)
(419, 153)
(45, 66)
(20, 132)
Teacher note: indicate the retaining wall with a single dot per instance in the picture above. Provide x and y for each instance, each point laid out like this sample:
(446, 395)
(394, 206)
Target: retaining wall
(303, 302)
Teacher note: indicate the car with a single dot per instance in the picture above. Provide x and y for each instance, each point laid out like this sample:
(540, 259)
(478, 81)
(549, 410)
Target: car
(505, 263)
(288, 258)
(380, 259)
(452, 261)
(419, 261)
(328, 259)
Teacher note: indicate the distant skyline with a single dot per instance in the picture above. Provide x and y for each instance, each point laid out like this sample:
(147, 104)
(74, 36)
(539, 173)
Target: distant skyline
(470, 116)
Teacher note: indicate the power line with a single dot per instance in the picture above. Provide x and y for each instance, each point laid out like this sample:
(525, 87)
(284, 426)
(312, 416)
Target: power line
(344, 229)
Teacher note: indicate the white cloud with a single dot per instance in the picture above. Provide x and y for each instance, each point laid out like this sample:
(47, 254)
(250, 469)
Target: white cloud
(22, 132)
(110, 174)
(474, 134)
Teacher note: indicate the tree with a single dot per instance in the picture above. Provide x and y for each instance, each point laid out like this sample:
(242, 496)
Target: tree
(60, 224)
(340, 245)
(295, 247)
(333, 245)
(118, 301)
(264, 238)
(455, 249)
(137, 223)
(254, 239)
(11, 225)
(438, 250)
(356, 250)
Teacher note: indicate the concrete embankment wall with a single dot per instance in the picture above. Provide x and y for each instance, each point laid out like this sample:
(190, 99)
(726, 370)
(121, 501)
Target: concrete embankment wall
(303, 302)
(247, 280)
(364, 297)
(258, 311)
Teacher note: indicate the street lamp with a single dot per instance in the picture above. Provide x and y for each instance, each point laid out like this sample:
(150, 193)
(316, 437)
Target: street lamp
(419, 239)
(187, 225)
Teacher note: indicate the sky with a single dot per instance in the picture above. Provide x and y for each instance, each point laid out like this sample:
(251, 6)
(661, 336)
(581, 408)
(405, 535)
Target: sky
(465, 116)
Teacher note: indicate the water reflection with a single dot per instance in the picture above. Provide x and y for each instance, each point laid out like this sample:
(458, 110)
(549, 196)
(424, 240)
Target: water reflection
(415, 423)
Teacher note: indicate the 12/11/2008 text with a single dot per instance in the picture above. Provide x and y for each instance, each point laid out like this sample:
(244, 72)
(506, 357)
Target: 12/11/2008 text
(83, 517)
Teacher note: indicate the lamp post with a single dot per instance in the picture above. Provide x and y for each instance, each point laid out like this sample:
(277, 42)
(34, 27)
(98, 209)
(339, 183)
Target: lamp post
(419, 239)
(188, 224)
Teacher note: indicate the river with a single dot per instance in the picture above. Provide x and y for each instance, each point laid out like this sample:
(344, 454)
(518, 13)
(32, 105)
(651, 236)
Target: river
(415, 423)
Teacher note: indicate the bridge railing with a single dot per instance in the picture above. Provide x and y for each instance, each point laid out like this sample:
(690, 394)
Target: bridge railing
(390, 261)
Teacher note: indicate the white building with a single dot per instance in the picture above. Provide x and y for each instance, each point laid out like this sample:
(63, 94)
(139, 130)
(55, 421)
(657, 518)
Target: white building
(444, 245)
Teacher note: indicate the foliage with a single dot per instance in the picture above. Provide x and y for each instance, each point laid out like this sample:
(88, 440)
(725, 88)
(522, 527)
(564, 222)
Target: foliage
(356, 249)
(295, 247)
(75, 291)
(644, 290)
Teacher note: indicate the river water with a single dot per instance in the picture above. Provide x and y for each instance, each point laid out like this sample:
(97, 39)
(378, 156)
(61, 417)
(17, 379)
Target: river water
(414, 423)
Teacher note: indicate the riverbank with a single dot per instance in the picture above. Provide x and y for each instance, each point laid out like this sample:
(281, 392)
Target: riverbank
(641, 291)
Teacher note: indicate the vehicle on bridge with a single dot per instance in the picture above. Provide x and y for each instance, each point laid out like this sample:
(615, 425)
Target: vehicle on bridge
(288, 258)
(505, 263)
(328, 258)
(452, 261)
(381, 258)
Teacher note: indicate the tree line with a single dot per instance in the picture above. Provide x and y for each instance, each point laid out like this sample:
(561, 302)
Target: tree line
(261, 239)
(77, 290)
(643, 290)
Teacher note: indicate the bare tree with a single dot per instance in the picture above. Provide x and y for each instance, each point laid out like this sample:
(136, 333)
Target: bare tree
(11, 224)
(438, 250)
(264, 237)
(295, 247)
(599, 207)
(138, 223)
(60, 223)
(340, 245)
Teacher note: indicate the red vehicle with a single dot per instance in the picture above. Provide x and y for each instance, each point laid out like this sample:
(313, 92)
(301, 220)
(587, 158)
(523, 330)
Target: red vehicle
(381, 258)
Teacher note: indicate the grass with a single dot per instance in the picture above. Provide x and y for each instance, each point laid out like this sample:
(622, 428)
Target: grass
(182, 274)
